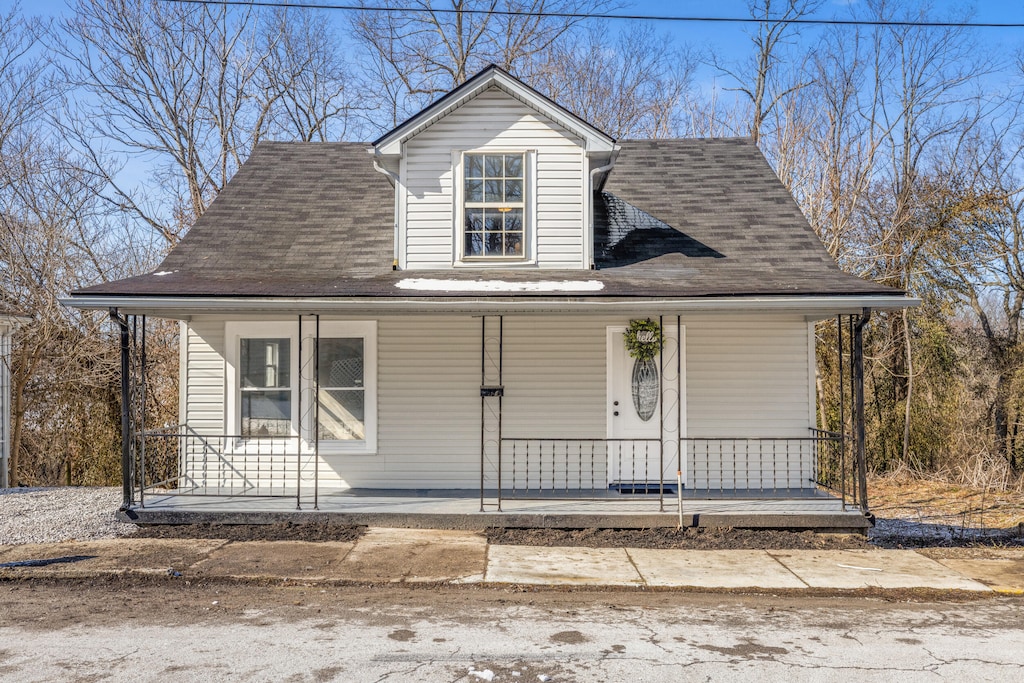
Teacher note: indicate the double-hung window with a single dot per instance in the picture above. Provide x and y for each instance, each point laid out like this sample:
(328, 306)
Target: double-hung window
(494, 224)
(270, 380)
(346, 386)
(342, 388)
(265, 386)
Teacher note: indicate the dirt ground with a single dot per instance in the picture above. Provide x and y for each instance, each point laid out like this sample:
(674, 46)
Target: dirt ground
(704, 539)
(921, 513)
(254, 532)
(689, 538)
(47, 604)
(889, 534)
(911, 512)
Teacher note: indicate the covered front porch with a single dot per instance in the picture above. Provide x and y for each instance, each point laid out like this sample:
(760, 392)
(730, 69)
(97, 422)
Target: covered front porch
(664, 476)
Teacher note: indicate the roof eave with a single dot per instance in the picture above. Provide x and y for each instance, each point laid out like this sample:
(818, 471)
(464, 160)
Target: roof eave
(184, 307)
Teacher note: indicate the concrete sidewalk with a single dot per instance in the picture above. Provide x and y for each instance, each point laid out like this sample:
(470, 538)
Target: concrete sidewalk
(384, 555)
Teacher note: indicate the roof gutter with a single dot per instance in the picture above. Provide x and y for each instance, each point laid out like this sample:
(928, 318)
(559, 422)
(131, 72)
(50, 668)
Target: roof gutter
(396, 181)
(604, 169)
(187, 306)
(590, 203)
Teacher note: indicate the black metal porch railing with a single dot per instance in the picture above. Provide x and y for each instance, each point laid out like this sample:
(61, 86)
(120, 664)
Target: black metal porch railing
(765, 466)
(180, 461)
(837, 470)
(579, 468)
(717, 467)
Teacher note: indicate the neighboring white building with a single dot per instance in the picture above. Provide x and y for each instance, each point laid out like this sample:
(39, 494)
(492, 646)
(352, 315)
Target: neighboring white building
(9, 321)
(447, 308)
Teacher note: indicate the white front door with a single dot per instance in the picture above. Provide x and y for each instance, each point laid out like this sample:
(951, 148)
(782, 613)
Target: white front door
(628, 418)
(634, 415)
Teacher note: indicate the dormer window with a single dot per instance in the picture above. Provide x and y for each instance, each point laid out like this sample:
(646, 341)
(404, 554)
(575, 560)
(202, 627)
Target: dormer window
(494, 205)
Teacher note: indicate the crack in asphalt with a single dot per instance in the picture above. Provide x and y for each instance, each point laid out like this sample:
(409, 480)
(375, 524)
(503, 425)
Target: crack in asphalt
(405, 673)
(944, 661)
(629, 637)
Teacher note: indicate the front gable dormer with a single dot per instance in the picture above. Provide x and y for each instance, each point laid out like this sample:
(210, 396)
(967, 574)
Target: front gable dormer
(494, 175)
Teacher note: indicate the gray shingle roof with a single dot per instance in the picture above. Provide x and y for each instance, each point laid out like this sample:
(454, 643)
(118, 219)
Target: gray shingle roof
(677, 218)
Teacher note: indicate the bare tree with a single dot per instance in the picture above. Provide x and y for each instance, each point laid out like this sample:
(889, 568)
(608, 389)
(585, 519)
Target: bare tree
(631, 87)
(23, 97)
(307, 78)
(846, 140)
(713, 113)
(978, 204)
(419, 50)
(192, 88)
(51, 242)
(55, 235)
(759, 79)
(926, 103)
(26, 87)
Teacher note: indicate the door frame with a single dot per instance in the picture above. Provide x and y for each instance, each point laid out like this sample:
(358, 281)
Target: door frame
(669, 423)
(615, 347)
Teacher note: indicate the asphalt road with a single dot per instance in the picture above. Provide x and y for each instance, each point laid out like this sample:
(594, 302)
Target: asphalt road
(167, 631)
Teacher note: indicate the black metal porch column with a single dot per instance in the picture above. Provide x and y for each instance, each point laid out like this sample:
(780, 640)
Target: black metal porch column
(858, 407)
(491, 393)
(126, 436)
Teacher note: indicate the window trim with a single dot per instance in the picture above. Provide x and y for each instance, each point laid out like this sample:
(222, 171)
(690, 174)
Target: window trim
(367, 329)
(529, 257)
(235, 331)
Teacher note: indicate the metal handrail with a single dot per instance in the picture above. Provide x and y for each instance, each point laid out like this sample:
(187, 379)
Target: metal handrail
(221, 464)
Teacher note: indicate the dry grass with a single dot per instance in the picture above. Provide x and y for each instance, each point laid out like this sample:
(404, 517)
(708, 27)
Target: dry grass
(917, 498)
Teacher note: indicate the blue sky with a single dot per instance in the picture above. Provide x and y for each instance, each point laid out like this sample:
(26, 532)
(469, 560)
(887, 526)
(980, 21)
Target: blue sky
(732, 39)
(731, 42)
(729, 39)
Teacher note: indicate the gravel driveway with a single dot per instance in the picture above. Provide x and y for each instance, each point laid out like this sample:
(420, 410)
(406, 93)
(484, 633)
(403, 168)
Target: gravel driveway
(52, 515)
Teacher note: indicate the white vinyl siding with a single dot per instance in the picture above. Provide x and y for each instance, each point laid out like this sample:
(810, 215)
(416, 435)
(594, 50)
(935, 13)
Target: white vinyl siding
(204, 377)
(747, 377)
(428, 409)
(555, 388)
(493, 121)
(554, 377)
(429, 388)
(429, 392)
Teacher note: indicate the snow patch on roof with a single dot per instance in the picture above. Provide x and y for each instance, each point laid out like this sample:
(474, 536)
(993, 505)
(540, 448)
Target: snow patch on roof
(430, 285)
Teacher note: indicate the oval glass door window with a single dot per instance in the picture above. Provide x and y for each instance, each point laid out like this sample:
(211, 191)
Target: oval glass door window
(645, 388)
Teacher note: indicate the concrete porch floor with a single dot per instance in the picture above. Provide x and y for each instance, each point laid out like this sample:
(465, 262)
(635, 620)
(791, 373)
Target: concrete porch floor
(461, 510)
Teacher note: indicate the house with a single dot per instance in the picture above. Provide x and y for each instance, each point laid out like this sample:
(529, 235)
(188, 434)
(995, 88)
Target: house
(497, 300)
(9, 321)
